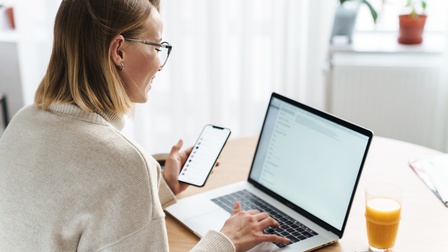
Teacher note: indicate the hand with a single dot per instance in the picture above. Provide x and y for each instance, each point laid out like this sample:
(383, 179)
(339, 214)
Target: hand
(172, 167)
(245, 228)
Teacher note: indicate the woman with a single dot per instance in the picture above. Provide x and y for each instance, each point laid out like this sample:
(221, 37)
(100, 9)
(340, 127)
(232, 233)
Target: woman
(69, 181)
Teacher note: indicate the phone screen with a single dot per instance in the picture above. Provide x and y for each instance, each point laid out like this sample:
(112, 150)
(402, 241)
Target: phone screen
(204, 155)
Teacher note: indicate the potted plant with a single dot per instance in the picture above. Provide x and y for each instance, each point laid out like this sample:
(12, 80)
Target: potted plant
(372, 10)
(345, 17)
(412, 23)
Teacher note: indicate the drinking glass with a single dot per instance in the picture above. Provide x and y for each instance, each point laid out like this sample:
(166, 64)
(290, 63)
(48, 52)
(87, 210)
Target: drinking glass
(383, 214)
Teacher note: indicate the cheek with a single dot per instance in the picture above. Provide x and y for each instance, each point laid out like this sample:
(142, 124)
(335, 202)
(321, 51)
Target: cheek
(140, 68)
(155, 62)
(147, 65)
(138, 73)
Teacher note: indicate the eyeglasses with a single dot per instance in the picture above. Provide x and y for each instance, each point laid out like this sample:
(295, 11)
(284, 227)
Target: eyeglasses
(163, 49)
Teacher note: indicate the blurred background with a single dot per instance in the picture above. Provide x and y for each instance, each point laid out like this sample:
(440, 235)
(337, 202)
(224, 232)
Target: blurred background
(230, 55)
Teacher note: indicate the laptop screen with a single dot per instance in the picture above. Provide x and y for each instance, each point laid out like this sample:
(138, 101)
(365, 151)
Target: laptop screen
(310, 159)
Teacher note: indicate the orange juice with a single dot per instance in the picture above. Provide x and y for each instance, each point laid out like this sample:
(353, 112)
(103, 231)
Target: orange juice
(382, 218)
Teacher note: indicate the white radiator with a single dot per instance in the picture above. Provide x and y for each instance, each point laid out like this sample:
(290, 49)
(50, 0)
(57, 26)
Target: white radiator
(399, 96)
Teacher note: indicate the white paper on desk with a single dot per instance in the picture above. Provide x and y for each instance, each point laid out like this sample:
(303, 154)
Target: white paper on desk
(433, 171)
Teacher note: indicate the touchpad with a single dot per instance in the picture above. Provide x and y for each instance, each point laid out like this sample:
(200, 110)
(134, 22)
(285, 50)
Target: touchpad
(183, 209)
(200, 225)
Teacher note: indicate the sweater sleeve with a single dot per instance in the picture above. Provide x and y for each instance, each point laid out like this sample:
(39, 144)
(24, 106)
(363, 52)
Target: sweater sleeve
(166, 196)
(214, 241)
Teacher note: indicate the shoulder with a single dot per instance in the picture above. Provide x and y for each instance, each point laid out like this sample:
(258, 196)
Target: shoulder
(25, 112)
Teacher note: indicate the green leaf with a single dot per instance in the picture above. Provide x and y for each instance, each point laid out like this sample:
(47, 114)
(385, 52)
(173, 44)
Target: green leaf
(372, 11)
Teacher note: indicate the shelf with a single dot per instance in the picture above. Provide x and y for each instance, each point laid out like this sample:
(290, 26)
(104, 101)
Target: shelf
(386, 43)
(8, 36)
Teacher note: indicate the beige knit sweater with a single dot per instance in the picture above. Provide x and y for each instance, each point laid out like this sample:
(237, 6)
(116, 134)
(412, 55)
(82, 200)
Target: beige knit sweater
(69, 181)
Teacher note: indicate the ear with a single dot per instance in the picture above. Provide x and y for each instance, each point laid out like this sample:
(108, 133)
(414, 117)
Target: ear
(116, 50)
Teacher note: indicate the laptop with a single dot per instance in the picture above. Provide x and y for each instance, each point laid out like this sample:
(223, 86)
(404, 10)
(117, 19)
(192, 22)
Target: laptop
(304, 173)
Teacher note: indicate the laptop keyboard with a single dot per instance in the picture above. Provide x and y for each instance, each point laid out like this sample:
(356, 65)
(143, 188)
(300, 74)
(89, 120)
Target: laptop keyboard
(289, 227)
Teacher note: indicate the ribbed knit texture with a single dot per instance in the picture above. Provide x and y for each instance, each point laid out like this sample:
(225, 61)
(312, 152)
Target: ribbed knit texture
(69, 181)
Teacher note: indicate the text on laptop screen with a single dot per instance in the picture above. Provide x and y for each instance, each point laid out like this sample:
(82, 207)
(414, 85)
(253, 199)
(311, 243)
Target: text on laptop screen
(298, 148)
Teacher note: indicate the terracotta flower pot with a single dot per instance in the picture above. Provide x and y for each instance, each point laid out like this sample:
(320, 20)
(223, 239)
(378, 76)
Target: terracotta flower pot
(10, 15)
(411, 29)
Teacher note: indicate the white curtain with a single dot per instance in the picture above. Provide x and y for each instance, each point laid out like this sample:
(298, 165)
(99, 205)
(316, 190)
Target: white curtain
(34, 27)
(228, 56)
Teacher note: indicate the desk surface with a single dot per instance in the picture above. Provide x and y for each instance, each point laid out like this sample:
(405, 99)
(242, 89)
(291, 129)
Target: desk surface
(424, 224)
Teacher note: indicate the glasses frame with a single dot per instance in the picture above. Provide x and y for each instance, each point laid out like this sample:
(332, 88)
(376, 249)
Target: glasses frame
(163, 44)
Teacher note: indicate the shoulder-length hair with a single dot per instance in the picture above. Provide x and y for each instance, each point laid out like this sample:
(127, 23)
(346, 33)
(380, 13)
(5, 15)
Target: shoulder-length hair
(81, 70)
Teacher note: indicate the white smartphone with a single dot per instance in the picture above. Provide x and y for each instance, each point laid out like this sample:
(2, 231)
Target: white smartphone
(204, 155)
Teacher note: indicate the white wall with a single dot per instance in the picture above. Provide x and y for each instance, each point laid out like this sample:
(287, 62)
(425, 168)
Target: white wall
(34, 21)
(10, 83)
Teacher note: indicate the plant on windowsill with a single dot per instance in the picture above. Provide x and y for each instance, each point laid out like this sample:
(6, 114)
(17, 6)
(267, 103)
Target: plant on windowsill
(412, 23)
(372, 10)
(345, 18)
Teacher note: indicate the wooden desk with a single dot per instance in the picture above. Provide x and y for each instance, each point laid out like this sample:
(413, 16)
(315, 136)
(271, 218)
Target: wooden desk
(424, 224)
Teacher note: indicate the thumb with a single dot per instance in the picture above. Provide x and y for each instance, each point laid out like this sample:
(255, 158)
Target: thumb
(177, 146)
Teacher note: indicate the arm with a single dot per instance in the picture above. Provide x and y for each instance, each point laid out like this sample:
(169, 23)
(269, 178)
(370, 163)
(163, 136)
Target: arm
(242, 231)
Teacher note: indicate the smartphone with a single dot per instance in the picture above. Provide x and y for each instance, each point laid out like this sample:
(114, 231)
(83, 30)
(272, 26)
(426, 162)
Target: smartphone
(204, 155)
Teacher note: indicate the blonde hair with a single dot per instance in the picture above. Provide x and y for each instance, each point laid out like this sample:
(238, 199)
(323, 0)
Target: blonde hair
(81, 70)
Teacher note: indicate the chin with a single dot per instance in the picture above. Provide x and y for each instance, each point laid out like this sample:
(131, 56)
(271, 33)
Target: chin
(142, 99)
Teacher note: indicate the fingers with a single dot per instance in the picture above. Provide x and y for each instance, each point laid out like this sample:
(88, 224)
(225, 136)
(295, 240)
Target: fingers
(266, 221)
(236, 207)
(262, 217)
(189, 150)
(245, 228)
(275, 238)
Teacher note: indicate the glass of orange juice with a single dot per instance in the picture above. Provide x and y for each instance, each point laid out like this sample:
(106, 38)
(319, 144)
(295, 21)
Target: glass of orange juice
(383, 214)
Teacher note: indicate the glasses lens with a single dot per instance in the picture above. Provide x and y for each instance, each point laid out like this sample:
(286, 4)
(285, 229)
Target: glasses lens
(164, 53)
